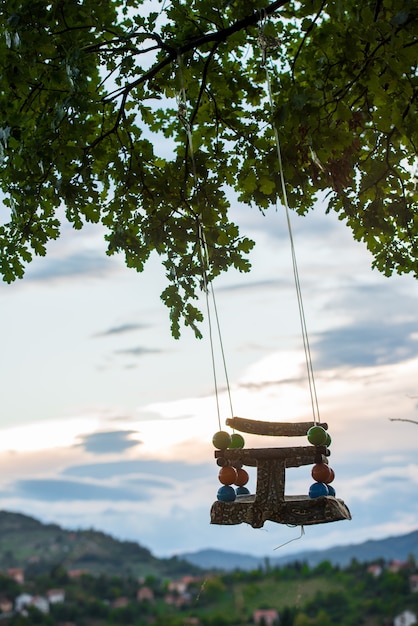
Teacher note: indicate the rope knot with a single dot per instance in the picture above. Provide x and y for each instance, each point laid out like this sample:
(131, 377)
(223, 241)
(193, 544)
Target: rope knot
(182, 111)
(268, 42)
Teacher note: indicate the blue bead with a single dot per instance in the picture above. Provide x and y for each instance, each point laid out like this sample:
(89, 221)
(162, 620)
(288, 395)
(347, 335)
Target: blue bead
(331, 491)
(242, 491)
(226, 493)
(316, 490)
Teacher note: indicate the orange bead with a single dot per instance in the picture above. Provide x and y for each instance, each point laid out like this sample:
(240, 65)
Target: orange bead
(321, 473)
(227, 475)
(242, 477)
(331, 476)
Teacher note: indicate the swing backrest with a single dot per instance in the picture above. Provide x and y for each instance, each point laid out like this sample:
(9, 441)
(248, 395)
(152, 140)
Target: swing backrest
(272, 429)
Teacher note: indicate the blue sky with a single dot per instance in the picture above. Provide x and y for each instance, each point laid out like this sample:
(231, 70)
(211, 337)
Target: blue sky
(107, 420)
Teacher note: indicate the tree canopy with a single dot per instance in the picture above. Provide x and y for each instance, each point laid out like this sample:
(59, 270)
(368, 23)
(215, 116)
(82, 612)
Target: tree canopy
(99, 99)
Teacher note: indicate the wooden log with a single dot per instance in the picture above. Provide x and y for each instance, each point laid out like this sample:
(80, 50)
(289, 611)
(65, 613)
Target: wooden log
(275, 429)
(293, 456)
(300, 511)
(270, 482)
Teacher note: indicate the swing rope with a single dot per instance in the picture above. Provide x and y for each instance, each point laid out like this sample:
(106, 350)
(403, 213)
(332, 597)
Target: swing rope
(203, 251)
(265, 45)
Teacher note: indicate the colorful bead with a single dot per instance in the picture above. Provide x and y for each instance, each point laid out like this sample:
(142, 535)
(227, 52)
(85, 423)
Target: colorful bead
(321, 473)
(227, 475)
(237, 441)
(221, 440)
(226, 494)
(316, 490)
(242, 491)
(332, 476)
(242, 477)
(317, 436)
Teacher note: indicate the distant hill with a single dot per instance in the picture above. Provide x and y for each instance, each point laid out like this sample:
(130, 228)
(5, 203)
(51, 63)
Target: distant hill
(37, 547)
(398, 547)
(26, 542)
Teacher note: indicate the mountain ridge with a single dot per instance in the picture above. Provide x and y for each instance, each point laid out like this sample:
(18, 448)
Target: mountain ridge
(398, 547)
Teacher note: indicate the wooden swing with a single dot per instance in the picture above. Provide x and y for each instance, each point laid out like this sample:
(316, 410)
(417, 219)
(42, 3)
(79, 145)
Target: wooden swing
(270, 502)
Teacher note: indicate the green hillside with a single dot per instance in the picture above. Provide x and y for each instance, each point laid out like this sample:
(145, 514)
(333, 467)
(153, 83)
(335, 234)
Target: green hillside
(26, 542)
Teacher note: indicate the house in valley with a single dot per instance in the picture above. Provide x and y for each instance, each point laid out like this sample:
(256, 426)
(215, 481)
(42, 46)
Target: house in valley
(406, 618)
(145, 594)
(413, 583)
(267, 617)
(55, 596)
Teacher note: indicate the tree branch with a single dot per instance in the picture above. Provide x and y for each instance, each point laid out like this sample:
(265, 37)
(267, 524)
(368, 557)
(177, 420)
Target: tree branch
(218, 36)
(305, 37)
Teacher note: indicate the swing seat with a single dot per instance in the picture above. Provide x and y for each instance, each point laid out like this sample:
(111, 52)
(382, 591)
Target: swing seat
(270, 503)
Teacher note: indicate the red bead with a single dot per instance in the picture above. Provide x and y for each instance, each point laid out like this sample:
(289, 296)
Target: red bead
(227, 475)
(332, 476)
(242, 477)
(321, 473)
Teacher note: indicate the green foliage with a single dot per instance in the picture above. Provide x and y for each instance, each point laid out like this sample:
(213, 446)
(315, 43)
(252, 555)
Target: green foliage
(287, 616)
(213, 588)
(336, 604)
(90, 122)
(33, 616)
(8, 586)
(325, 568)
(340, 598)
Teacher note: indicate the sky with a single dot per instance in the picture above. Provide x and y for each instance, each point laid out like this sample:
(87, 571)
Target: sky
(107, 420)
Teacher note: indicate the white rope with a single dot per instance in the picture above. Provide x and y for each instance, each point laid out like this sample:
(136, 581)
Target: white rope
(204, 253)
(264, 45)
(302, 532)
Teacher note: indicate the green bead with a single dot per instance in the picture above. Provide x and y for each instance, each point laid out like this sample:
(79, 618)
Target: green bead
(237, 441)
(328, 441)
(221, 440)
(317, 436)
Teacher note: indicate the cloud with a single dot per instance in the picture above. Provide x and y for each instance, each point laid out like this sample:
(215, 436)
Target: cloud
(366, 344)
(122, 329)
(315, 224)
(78, 264)
(377, 301)
(176, 470)
(265, 384)
(137, 351)
(50, 490)
(108, 442)
(379, 325)
(257, 285)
